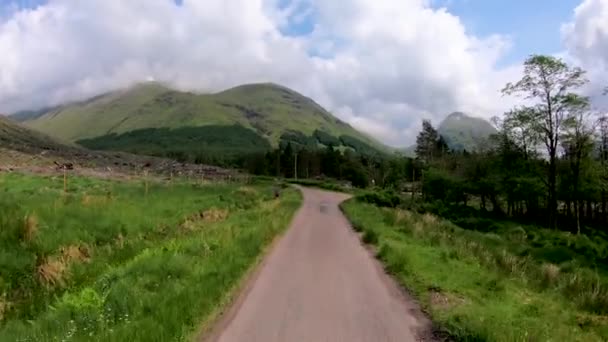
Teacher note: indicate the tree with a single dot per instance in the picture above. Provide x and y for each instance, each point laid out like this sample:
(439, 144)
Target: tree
(578, 145)
(603, 154)
(519, 127)
(427, 143)
(547, 83)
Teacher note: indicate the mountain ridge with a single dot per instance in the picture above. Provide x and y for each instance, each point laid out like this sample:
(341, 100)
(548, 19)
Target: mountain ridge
(272, 111)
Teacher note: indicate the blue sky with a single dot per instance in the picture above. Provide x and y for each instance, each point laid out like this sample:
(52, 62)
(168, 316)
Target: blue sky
(533, 26)
(386, 63)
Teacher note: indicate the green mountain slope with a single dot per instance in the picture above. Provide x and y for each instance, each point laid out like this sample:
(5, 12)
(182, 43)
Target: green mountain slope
(153, 118)
(463, 132)
(14, 136)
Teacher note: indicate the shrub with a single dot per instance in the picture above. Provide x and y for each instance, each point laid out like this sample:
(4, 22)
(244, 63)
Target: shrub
(478, 224)
(554, 254)
(370, 237)
(381, 198)
(550, 274)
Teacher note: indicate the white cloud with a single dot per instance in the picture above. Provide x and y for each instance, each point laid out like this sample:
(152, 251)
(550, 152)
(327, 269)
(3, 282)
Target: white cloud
(381, 65)
(586, 41)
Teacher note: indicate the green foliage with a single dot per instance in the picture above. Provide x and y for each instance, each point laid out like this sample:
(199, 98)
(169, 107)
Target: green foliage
(370, 237)
(325, 138)
(297, 139)
(495, 294)
(426, 143)
(439, 186)
(269, 110)
(130, 266)
(322, 184)
(201, 144)
(358, 145)
(387, 199)
(548, 84)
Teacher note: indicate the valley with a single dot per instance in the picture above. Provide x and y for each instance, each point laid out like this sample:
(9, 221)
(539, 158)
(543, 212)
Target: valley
(153, 214)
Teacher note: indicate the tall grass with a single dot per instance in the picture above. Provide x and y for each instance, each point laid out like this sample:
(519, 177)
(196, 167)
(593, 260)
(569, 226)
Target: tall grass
(477, 288)
(108, 262)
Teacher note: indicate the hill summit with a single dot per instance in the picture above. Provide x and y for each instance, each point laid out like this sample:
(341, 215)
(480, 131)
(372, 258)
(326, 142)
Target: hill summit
(461, 132)
(464, 132)
(151, 118)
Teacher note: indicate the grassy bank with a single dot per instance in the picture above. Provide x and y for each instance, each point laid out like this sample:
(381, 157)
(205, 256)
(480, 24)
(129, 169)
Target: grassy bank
(476, 288)
(108, 261)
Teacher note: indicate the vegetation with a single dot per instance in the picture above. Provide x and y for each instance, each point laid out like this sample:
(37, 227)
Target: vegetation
(463, 132)
(297, 162)
(219, 145)
(125, 261)
(15, 136)
(492, 286)
(268, 110)
(546, 164)
(522, 218)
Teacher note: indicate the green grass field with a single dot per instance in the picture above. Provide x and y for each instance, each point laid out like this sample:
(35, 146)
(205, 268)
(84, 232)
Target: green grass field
(106, 261)
(476, 289)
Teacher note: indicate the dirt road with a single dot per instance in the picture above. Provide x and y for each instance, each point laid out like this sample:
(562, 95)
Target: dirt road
(320, 284)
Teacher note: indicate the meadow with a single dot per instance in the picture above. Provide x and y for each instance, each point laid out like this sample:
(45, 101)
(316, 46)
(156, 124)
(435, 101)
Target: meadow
(517, 283)
(127, 261)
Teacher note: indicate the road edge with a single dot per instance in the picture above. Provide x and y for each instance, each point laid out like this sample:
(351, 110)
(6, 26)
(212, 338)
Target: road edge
(211, 329)
(427, 331)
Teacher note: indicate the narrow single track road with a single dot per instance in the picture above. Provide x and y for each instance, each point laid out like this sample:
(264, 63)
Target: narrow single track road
(319, 283)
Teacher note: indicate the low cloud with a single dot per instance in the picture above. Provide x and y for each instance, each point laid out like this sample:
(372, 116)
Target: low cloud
(380, 75)
(586, 40)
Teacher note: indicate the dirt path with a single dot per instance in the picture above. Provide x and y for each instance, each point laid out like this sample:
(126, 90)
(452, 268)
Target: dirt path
(320, 284)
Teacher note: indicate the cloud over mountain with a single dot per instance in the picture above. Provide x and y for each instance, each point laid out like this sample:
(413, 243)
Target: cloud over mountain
(380, 65)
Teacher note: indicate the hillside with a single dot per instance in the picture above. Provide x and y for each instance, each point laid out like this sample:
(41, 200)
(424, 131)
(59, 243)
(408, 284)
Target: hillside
(24, 148)
(151, 118)
(463, 132)
(14, 136)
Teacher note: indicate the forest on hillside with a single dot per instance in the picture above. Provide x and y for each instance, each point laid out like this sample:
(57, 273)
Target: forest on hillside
(548, 163)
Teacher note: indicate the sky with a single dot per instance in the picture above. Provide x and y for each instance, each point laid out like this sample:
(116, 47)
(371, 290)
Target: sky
(381, 65)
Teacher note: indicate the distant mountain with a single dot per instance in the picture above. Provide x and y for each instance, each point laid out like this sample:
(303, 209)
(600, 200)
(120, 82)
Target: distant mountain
(151, 118)
(463, 132)
(26, 115)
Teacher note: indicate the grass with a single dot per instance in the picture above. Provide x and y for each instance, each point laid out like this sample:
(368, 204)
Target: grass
(475, 289)
(267, 109)
(107, 262)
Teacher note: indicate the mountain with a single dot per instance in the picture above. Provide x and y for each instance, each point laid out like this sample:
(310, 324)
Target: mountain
(463, 132)
(24, 148)
(151, 118)
(15, 136)
(21, 146)
(26, 115)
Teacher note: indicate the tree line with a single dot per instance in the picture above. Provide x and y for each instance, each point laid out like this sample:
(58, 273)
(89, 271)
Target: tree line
(362, 170)
(548, 162)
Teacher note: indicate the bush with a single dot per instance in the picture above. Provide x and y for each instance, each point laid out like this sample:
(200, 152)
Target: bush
(386, 199)
(370, 237)
(477, 223)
